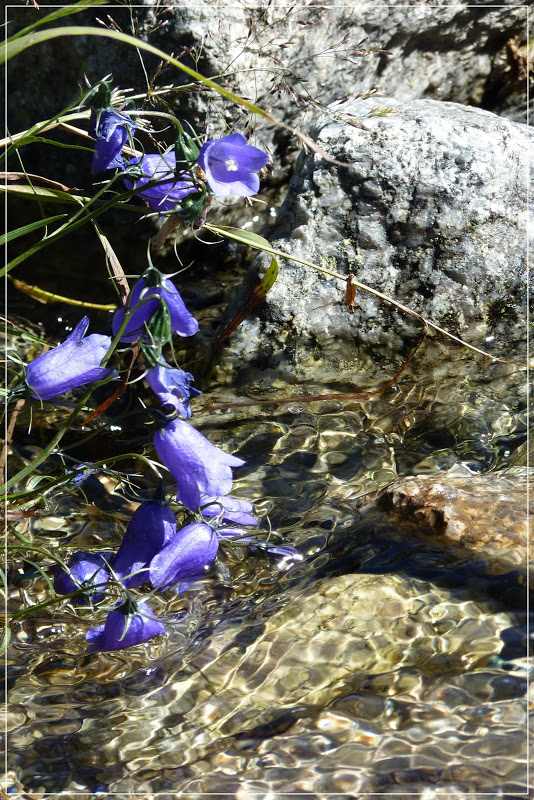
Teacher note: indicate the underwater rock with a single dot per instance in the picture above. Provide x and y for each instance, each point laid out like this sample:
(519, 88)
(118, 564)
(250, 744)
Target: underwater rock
(336, 636)
(485, 514)
(431, 212)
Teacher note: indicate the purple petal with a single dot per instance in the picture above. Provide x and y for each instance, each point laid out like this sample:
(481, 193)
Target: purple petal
(198, 467)
(79, 331)
(84, 568)
(73, 363)
(172, 387)
(141, 626)
(231, 165)
(111, 136)
(243, 188)
(183, 322)
(187, 556)
(136, 325)
(172, 189)
(149, 530)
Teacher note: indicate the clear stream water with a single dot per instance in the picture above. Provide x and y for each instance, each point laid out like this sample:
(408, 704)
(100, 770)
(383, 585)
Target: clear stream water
(378, 665)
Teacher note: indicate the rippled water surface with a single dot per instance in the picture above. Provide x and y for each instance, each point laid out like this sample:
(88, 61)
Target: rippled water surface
(378, 665)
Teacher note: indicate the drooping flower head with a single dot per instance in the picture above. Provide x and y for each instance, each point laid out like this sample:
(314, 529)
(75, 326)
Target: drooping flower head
(111, 129)
(73, 363)
(182, 322)
(86, 571)
(127, 624)
(170, 189)
(172, 387)
(152, 525)
(231, 165)
(185, 558)
(198, 467)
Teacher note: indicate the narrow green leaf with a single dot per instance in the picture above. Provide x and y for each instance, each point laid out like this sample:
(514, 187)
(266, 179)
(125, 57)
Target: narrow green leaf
(268, 280)
(64, 145)
(6, 638)
(64, 11)
(239, 235)
(15, 46)
(245, 237)
(34, 481)
(32, 226)
(39, 192)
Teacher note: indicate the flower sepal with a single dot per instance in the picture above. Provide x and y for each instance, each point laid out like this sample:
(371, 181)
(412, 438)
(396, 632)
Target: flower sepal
(129, 623)
(192, 206)
(186, 148)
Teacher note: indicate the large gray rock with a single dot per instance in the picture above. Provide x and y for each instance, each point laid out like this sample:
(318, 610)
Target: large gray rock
(431, 211)
(278, 56)
(281, 56)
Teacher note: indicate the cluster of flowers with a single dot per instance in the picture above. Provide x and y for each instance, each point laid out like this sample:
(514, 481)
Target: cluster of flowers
(153, 550)
(229, 166)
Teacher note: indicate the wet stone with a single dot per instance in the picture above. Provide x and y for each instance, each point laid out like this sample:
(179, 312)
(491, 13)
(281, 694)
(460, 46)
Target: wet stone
(485, 514)
(326, 642)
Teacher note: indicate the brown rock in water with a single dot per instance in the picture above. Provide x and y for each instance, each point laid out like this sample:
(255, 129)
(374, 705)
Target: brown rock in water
(483, 513)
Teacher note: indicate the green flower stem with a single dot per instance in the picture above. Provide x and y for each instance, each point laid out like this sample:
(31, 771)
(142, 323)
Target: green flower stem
(26, 544)
(49, 449)
(60, 598)
(74, 222)
(54, 482)
(29, 468)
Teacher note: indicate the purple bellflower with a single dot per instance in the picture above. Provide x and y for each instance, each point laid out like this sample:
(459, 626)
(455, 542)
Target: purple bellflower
(231, 509)
(124, 627)
(231, 165)
(111, 136)
(182, 321)
(151, 527)
(198, 467)
(172, 387)
(73, 363)
(86, 570)
(165, 195)
(185, 558)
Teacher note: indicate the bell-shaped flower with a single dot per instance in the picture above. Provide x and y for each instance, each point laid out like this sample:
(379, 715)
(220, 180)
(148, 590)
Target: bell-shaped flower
(230, 509)
(170, 189)
(183, 322)
(172, 387)
(198, 467)
(151, 527)
(111, 129)
(186, 557)
(231, 165)
(73, 363)
(86, 571)
(127, 624)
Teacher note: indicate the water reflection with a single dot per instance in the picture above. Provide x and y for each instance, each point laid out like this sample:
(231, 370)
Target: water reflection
(378, 664)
